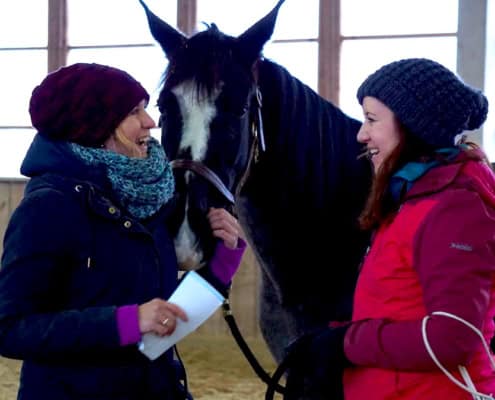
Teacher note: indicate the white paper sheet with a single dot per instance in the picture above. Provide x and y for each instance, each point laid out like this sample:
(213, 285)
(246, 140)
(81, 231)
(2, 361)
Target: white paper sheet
(198, 299)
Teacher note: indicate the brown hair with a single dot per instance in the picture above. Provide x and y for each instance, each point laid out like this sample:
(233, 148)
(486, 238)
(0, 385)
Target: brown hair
(380, 207)
(132, 149)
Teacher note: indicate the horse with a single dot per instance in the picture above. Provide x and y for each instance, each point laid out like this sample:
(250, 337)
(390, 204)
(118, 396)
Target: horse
(284, 156)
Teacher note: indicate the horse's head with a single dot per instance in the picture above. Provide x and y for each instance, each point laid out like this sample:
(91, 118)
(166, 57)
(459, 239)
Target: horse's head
(207, 120)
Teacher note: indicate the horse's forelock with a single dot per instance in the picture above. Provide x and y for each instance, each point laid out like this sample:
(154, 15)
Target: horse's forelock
(202, 59)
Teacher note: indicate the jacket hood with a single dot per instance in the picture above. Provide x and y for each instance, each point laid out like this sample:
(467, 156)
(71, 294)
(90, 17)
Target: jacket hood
(466, 172)
(53, 156)
(483, 179)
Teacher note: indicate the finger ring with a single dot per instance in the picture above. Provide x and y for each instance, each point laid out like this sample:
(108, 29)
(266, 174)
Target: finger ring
(165, 321)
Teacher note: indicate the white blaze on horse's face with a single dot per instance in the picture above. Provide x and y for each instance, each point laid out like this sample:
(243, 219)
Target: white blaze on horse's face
(189, 255)
(197, 113)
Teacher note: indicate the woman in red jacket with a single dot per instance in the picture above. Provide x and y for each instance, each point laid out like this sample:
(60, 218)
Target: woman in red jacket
(432, 257)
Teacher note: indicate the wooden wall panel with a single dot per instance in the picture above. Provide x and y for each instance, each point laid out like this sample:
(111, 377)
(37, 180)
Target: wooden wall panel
(11, 192)
(329, 44)
(4, 209)
(57, 34)
(186, 16)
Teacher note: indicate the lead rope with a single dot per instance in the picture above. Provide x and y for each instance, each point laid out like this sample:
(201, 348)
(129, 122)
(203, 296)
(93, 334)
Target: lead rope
(468, 384)
(271, 381)
(183, 371)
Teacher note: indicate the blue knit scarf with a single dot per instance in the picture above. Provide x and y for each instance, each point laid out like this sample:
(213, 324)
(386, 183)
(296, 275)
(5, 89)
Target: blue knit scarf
(403, 179)
(142, 185)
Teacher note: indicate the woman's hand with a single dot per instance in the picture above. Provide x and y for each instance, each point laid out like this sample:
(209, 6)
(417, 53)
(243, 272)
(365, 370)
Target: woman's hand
(160, 317)
(224, 226)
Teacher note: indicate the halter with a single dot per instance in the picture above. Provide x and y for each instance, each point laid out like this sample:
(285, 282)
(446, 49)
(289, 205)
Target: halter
(202, 170)
(258, 145)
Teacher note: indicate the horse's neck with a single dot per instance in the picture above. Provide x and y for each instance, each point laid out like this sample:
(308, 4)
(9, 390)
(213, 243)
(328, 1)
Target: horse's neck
(307, 181)
(311, 144)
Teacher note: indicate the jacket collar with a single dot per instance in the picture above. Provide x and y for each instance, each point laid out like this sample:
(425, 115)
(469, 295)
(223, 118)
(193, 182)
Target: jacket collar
(435, 179)
(46, 156)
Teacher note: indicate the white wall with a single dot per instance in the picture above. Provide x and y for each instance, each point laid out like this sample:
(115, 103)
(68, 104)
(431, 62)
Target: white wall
(489, 129)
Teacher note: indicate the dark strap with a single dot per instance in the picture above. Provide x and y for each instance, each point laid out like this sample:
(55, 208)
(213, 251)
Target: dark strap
(273, 384)
(260, 132)
(206, 173)
(182, 374)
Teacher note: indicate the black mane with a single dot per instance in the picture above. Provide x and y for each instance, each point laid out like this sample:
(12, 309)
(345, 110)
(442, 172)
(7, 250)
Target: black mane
(310, 177)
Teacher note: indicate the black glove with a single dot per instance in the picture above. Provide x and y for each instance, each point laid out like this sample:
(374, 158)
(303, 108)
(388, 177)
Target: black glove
(317, 365)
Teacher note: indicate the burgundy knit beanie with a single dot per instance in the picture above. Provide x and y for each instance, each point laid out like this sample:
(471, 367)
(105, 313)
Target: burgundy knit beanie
(84, 103)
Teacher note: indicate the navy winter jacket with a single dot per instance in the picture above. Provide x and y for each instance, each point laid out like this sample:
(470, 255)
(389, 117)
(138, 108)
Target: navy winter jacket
(71, 256)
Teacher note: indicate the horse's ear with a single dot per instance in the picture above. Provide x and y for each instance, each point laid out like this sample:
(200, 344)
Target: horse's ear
(251, 42)
(168, 37)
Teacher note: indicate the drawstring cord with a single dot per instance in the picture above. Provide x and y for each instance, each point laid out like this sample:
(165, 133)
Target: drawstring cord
(468, 384)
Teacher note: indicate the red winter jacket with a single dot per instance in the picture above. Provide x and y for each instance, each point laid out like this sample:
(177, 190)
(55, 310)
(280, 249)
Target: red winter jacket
(438, 254)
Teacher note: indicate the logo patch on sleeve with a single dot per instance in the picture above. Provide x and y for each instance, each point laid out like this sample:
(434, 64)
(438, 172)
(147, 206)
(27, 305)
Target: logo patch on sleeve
(461, 246)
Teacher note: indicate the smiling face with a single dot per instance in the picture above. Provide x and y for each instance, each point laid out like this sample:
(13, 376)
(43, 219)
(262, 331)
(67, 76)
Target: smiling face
(381, 131)
(132, 135)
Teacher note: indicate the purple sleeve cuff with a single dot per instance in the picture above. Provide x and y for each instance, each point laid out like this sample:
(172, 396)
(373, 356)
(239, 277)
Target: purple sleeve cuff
(128, 324)
(225, 261)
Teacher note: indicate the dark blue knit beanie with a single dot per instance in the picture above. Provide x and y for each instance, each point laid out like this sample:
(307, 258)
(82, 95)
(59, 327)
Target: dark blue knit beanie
(427, 98)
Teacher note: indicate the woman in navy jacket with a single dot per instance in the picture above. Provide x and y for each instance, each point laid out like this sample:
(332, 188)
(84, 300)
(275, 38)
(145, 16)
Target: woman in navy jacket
(88, 260)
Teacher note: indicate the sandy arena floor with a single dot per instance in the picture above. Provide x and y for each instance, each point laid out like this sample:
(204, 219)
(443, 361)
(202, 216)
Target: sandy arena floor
(217, 370)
